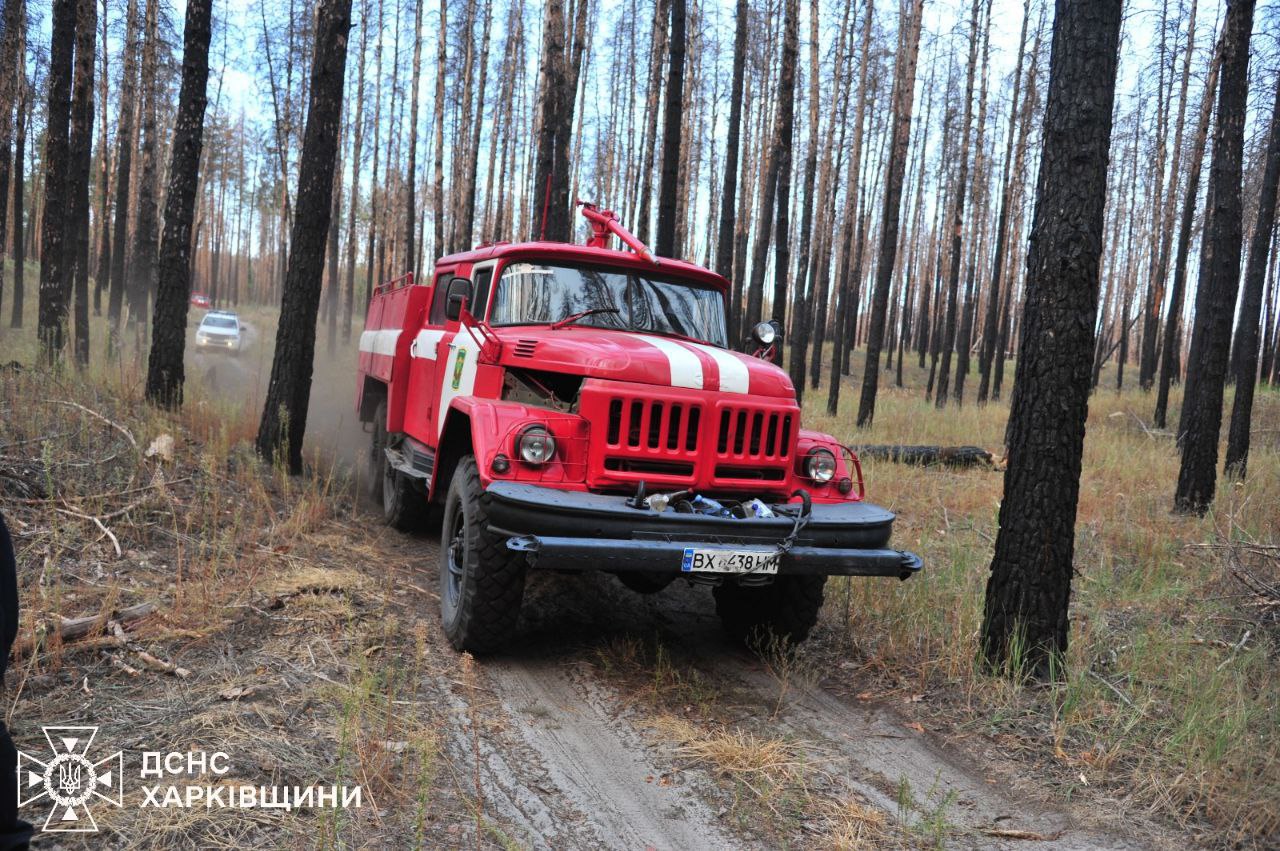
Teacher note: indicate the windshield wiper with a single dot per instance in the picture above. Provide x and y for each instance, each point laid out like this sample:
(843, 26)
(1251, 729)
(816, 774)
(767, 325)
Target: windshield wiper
(574, 317)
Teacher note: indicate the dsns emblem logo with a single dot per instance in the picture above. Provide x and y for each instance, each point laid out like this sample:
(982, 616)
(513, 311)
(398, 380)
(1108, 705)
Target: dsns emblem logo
(70, 780)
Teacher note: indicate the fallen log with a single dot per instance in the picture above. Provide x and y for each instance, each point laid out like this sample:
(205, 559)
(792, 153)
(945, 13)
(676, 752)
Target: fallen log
(925, 456)
(72, 629)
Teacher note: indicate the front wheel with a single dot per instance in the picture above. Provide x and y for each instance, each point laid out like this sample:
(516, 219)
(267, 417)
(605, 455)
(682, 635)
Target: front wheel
(481, 581)
(784, 611)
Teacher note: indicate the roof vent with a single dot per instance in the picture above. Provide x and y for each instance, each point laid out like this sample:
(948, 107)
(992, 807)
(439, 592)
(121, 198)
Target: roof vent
(525, 348)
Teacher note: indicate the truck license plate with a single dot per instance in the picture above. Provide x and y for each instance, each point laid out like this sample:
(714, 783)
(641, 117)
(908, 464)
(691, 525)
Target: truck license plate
(729, 561)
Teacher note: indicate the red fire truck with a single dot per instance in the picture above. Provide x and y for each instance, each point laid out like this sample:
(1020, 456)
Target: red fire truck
(575, 407)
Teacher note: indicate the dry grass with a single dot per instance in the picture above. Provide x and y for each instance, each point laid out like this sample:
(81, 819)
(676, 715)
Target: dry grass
(1169, 700)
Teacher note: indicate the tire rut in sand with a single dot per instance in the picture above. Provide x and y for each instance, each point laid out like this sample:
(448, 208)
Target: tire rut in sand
(598, 761)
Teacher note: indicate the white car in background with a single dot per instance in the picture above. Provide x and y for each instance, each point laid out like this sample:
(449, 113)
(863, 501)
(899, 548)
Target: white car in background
(219, 331)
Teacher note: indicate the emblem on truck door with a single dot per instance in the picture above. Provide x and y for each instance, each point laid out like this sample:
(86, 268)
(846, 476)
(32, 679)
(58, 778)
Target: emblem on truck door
(457, 367)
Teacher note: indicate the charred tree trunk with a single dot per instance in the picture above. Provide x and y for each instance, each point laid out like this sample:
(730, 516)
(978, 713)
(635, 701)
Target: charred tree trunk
(782, 155)
(54, 242)
(957, 217)
(124, 170)
(142, 265)
(165, 370)
(904, 84)
(12, 24)
(550, 219)
(1201, 420)
(1030, 584)
(729, 192)
(1169, 346)
(411, 172)
(284, 416)
(357, 142)
(19, 192)
(80, 153)
(1246, 344)
(665, 234)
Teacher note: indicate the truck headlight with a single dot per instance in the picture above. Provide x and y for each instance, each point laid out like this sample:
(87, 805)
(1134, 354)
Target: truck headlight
(536, 445)
(820, 466)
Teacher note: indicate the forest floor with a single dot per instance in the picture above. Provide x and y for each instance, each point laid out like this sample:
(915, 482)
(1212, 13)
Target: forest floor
(308, 634)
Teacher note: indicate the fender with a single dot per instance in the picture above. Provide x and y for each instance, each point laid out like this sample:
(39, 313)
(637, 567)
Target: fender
(487, 428)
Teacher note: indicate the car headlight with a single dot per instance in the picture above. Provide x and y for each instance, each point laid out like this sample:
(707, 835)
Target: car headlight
(820, 466)
(536, 445)
(765, 333)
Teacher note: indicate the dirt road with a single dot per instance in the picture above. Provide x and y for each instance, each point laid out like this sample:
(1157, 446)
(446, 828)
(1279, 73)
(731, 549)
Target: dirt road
(579, 756)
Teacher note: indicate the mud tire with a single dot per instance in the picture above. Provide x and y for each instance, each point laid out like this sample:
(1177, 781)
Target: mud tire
(481, 581)
(784, 611)
(377, 458)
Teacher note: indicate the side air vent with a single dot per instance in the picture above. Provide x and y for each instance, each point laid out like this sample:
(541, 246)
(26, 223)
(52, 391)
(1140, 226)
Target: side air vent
(525, 348)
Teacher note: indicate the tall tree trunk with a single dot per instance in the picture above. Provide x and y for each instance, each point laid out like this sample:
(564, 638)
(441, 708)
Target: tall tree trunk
(782, 157)
(658, 48)
(1169, 346)
(904, 84)
(348, 302)
(80, 153)
(437, 182)
(992, 316)
(284, 416)
(19, 192)
(957, 216)
(102, 268)
(411, 172)
(12, 26)
(550, 222)
(466, 226)
(1201, 420)
(124, 171)
(142, 273)
(1030, 584)
(1246, 343)
(55, 243)
(729, 190)
(165, 369)
(665, 235)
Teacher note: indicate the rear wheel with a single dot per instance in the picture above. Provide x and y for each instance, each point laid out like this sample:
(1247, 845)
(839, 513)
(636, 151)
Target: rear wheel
(481, 581)
(377, 457)
(783, 611)
(403, 506)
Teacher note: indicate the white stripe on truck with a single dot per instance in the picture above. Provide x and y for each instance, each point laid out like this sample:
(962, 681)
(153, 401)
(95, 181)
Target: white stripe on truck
(686, 368)
(381, 342)
(735, 377)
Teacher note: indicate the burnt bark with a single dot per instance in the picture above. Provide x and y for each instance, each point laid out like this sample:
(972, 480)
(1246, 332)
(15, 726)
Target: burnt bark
(284, 416)
(729, 192)
(124, 169)
(80, 154)
(55, 253)
(142, 263)
(19, 179)
(673, 111)
(1025, 618)
(1246, 342)
(1169, 344)
(903, 95)
(1201, 420)
(165, 368)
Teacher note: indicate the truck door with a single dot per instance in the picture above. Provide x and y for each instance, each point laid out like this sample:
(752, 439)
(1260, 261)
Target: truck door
(458, 348)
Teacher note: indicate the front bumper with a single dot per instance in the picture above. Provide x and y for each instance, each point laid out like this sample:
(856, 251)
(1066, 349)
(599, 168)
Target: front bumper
(572, 530)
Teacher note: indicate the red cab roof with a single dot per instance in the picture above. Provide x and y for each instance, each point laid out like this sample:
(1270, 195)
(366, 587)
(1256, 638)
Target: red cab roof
(574, 253)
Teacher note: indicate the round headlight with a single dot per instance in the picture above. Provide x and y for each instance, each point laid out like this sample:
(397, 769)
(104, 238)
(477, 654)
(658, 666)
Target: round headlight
(821, 466)
(536, 445)
(765, 333)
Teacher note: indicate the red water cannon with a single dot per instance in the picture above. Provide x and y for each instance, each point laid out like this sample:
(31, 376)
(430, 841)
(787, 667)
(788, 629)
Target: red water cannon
(604, 223)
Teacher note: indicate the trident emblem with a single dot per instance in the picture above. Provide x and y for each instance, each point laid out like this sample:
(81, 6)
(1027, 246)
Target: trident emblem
(69, 778)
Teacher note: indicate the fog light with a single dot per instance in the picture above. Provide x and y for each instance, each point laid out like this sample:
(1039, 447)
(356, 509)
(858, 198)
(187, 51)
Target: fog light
(536, 445)
(845, 485)
(501, 464)
(821, 466)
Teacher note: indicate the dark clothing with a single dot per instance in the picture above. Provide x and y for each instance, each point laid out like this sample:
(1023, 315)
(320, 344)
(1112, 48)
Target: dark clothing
(14, 832)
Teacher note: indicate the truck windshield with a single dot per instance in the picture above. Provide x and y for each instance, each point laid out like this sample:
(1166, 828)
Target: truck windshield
(539, 293)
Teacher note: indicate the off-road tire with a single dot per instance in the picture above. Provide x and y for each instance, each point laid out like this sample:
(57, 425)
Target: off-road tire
(377, 458)
(478, 614)
(646, 583)
(783, 611)
(404, 507)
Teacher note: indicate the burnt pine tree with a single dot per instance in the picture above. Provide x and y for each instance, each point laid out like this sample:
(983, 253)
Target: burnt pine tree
(142, 262)
(1030, 583)
(10, 41)
(124, 169)
(550, 202)
(1168, 351)
(665, 235)
(19, 179)
(1246, 345)
(904, 84)
(165, 371)
(54, 253)
(284, 416)
(1201, 421)
(729, 190)
(80, 156)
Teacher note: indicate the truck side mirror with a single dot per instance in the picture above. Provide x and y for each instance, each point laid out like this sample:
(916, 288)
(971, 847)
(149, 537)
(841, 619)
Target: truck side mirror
(456, 296)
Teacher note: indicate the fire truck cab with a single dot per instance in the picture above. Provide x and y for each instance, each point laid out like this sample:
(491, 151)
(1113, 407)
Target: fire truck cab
(577, 407)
